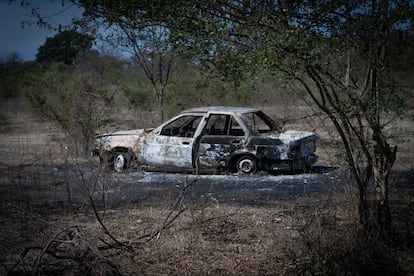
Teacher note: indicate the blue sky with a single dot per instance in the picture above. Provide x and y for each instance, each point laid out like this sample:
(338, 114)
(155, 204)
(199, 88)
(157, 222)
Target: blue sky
(25, 41)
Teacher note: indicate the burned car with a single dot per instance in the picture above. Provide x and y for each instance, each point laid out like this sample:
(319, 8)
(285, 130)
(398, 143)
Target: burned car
(210, 139)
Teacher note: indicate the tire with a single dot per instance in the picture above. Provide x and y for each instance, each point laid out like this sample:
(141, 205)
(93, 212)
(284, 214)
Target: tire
(120, 161)
(246, 165)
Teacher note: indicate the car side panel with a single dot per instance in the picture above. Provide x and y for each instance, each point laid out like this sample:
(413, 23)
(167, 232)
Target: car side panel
(215, 151)
(166, 151)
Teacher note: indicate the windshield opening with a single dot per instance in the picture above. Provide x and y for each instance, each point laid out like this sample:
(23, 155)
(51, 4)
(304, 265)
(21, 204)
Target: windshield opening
(260, 122)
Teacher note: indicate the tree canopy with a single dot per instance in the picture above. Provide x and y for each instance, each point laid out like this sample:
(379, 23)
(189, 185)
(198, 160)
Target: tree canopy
(64, 47)
(342, 53)
(141, 28)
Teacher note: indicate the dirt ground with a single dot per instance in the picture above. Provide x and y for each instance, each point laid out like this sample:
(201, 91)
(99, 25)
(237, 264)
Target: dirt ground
(43, 233)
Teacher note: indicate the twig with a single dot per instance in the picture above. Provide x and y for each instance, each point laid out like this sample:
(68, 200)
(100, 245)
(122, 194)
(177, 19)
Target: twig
(45, 249)
(168, 221)
(33, 216)
(98, 217)
(72, 236)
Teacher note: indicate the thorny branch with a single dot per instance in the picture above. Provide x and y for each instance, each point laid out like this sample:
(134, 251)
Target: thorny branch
(98, 217)
(68, 250)
(176, 210)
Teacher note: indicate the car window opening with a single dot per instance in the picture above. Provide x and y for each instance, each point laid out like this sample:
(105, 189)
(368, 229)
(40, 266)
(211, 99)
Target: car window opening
(260, 122)
(223, 125)
(184, 126)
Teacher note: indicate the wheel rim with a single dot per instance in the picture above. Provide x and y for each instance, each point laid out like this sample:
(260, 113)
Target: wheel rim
(119, 163)
(247, 165)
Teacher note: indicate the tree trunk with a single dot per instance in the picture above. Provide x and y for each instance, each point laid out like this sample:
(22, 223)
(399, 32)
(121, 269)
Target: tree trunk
(363, 208)
(383, 215)
(161, 102)
(384, 160)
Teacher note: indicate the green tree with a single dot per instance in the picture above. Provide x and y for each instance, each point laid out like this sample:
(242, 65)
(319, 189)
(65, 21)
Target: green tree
(11, 68)
(141, 28)
(77, 96)
(341, 54)
(64, 46)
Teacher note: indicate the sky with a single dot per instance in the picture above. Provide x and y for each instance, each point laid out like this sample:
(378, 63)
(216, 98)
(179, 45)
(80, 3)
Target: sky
(24, 41)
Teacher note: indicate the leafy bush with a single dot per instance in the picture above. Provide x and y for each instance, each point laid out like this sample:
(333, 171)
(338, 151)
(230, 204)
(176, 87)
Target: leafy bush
(11, 71)
(71, 97)
(139, 96)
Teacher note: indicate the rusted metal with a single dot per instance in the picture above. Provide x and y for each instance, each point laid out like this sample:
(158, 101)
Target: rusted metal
(213, 139)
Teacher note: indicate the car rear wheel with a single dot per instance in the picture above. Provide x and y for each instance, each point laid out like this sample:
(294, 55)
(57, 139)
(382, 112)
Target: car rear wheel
(246, 165)
(121, 161)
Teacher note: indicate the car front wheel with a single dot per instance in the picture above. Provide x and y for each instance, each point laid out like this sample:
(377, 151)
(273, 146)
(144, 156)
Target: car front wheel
(246, 165)
(121, 161)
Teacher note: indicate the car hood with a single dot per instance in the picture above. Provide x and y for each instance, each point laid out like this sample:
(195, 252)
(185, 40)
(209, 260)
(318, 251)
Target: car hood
(122, 133)
(296, 135)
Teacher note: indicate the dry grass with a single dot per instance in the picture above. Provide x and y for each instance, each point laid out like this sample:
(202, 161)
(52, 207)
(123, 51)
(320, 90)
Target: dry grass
(205, 239)
(315, 235)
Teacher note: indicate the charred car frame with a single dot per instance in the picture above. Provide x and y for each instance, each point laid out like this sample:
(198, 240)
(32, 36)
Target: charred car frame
(210, 139)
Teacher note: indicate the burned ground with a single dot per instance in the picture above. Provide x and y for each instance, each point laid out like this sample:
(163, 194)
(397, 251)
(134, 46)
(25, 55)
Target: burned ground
(61, 214)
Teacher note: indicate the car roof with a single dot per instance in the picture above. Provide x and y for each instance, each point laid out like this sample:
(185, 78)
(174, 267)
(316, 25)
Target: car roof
(206, 109)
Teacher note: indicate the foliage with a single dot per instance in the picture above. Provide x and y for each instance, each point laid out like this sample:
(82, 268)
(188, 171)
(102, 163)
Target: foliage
(76, 97)
(139, 96)
(344, 63)
(188, 86)
(341, 54)
(64, 47)
(141, 28)
(11, 70)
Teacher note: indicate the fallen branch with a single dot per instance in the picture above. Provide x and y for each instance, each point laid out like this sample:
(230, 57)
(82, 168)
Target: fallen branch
(178, 208)
(67, 251)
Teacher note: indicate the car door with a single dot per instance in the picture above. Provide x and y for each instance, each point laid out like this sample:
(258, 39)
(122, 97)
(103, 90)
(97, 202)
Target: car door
(171, 145)
(221, 137)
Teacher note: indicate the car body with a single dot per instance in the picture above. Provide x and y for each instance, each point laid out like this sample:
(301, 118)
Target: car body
(211, 139)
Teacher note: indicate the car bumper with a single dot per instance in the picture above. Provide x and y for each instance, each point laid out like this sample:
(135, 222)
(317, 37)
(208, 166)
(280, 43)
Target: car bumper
(292, 165)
